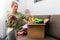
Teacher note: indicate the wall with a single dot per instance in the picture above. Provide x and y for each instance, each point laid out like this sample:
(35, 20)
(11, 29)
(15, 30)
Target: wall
(2, 19)
(21, 3)
(44, 7)
(4, 7)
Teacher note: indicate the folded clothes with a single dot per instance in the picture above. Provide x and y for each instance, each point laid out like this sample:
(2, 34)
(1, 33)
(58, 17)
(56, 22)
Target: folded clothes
(24, 26)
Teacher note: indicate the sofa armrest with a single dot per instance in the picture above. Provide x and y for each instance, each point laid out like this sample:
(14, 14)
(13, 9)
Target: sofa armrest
(46, 20)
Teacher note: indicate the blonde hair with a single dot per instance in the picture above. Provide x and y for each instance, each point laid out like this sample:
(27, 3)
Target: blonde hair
(13, 3)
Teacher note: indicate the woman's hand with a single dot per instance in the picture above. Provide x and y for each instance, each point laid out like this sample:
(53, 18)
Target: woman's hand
(13, 17)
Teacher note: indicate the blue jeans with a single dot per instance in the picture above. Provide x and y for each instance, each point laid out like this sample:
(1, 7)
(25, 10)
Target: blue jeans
(11, 35)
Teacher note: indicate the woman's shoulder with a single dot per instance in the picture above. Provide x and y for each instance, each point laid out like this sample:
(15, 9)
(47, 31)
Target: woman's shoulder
(20, 13)
(9, 13)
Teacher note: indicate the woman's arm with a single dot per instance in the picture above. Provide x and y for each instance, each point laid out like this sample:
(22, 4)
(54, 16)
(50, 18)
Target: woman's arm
(25, 20)
(24, 17)
(9, 22)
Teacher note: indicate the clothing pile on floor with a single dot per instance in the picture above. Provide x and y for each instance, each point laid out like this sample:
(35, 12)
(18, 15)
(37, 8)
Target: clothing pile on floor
(22, 31)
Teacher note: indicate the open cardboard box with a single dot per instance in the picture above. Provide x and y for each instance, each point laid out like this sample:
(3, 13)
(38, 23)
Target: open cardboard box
(37, 30)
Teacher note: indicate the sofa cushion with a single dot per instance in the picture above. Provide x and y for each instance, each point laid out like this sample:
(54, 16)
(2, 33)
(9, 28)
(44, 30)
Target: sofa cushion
(41, 16)
(38, 16)
(54, 28)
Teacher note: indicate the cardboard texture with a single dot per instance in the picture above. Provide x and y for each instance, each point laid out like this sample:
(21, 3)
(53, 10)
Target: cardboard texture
(36, 30)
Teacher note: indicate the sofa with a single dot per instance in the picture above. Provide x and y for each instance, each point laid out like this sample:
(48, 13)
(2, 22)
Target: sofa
(52, 29)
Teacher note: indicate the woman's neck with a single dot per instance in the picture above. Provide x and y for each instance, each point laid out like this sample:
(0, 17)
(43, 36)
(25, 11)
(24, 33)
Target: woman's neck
(14, 12)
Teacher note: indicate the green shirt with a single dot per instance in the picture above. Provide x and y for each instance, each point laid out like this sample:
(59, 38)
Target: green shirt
(17, 24)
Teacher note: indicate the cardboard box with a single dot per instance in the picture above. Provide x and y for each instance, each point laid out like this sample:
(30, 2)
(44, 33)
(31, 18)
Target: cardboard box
(36, 30)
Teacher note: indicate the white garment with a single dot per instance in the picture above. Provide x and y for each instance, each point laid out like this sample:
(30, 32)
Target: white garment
(9, 30)
(24, 26)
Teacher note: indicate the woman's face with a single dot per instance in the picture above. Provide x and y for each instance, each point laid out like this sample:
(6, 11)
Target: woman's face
(15, 7)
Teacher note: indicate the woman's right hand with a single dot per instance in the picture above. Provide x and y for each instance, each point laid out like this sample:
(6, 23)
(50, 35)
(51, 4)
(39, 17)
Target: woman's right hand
(13, 17)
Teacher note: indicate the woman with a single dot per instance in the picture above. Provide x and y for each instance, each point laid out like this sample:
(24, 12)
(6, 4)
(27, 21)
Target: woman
(15, 19)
